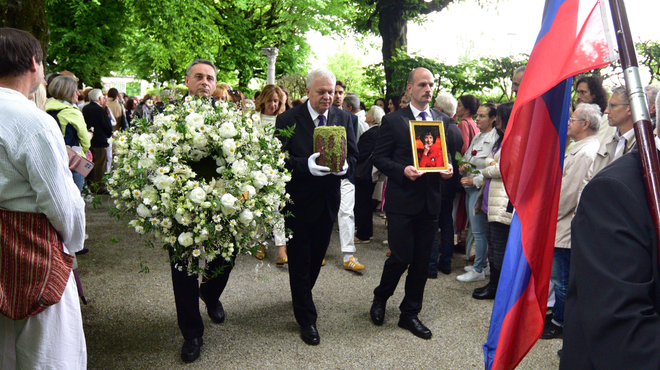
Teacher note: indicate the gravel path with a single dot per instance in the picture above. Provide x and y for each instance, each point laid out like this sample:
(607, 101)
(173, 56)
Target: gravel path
(130, 318)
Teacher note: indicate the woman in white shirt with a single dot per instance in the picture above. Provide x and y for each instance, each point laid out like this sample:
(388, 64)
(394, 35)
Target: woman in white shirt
(271, 103)
(472, 180)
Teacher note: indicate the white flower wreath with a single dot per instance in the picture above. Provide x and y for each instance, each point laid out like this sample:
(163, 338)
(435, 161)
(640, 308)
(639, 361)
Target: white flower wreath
(209, 182)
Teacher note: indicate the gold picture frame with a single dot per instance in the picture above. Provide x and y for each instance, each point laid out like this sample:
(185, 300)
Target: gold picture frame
(429, 156)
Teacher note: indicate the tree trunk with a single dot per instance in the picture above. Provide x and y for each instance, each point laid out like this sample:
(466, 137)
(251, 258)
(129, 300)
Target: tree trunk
(27, 15)
(393, 29)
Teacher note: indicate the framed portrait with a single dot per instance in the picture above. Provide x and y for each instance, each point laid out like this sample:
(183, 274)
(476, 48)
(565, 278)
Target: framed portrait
(428, 146)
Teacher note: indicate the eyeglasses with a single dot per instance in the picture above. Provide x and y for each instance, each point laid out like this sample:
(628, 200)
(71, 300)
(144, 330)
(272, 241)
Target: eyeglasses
(611, 105)
(575, 119)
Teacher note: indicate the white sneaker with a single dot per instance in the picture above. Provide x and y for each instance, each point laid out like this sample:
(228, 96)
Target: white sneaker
(486, 270)
(471, 276)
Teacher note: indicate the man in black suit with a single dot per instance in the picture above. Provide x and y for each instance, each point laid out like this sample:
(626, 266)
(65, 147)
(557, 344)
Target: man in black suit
(200, 80)
(314, 192)
(413, 201)
(612, 316)
(98, 121)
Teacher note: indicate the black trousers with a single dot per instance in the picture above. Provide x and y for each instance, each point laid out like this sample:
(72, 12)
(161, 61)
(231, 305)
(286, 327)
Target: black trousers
(306, 251)
(410, 239)
(187, 291)
(363, 209)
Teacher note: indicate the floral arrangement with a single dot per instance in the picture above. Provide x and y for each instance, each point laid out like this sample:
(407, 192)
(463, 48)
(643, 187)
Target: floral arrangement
(206, 181)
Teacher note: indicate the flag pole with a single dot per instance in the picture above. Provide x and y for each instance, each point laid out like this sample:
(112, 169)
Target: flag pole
(648, 154)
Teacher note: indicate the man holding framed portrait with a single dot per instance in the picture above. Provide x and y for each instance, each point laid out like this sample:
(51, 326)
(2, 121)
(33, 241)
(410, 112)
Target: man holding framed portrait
(413, 198)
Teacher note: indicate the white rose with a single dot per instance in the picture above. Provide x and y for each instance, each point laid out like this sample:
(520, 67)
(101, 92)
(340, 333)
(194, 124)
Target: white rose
(245, 217)
(145, 163)
(228, 201)
(186, 239)
(227, 130)
(143, 211)
(163, 182)
(240, 167)
(197, 195)
(195, 119)
(200, 141)
(260, 179)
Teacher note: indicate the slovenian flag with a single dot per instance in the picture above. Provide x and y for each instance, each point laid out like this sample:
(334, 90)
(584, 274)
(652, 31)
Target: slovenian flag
(572, 40)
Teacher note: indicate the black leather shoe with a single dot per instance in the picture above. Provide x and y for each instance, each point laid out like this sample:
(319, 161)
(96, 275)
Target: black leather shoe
(217, 313)
(433, 275)
(82, 251)
(559, 352)
(481, 289)
(377, 312)
(190, 350)
(445, 271)
(416, 327)
(310, 335)
(487, 293)
(552, 331)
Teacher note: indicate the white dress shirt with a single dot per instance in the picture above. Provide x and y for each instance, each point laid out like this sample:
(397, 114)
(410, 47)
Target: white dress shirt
(34, 169)
(315, 115)
(429, 116)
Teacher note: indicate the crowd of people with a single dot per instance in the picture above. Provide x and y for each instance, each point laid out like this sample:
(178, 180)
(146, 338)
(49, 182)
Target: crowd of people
(426, 211)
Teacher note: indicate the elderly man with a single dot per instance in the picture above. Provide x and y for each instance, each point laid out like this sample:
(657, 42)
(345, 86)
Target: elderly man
(98, 122)
(516, 80)
(582, 128)
(651, 96)
(413, 204)
(200, 80)
(314, 192)
(442, 248)
(35, 178)
(623, 139)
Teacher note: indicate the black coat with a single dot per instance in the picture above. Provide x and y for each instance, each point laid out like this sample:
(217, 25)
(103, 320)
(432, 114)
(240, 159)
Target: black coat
(366, 146)
(96, 117)
(312, 194)
(612, 316)
(454, 145)
(393, 153)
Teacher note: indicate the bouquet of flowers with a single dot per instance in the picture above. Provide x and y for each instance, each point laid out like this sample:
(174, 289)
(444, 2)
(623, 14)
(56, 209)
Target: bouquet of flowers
(207, 181)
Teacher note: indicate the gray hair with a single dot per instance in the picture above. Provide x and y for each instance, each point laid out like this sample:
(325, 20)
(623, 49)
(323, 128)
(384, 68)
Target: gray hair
(622, 93)
(520, 69)
(353, 101)
(447, 103)
(62, 87)
(591, 113)
(320, 72)
(200, 61)
(94, 95)
(651, 94)
(377, 113)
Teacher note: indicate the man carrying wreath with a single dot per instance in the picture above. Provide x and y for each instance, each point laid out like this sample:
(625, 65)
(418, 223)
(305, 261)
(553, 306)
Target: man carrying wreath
(200, 80)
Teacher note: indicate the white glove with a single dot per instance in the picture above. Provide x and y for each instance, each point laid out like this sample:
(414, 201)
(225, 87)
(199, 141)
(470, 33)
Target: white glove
(343, 171)
(314, 168)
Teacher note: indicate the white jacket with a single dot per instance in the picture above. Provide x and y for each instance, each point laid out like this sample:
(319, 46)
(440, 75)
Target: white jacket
(498, 200)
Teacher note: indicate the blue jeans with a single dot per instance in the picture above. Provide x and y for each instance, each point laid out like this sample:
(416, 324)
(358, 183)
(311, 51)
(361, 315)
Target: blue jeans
(561, 264)
(478, 226)
(78, 179)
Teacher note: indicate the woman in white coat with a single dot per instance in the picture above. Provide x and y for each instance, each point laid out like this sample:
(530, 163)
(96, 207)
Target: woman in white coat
(496, 204)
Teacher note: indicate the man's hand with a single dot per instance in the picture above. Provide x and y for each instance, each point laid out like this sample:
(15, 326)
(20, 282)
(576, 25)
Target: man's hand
(314, 168)
(343, 171)
(412, 173)
(461, 168)
(467, 181)
(447, 174)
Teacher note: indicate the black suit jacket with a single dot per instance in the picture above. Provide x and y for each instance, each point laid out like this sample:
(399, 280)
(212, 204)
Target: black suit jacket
(312, 194)
(612, 316)
(393, 153)
(454, 145)
(366, 146)
(96, 117)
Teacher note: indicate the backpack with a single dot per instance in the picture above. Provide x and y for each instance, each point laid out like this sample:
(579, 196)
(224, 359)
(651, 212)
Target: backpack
(70, 133)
